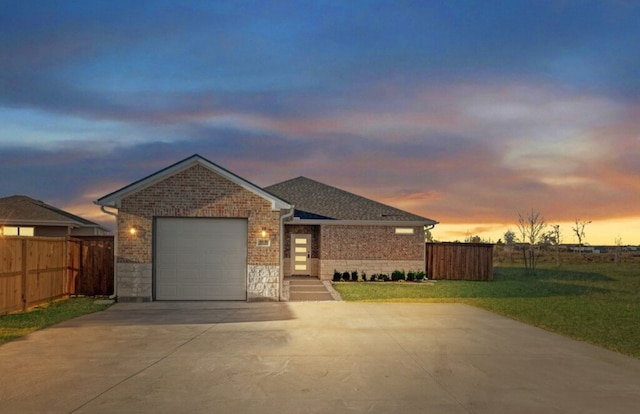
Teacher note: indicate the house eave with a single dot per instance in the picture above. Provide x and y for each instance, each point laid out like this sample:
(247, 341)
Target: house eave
(50, 223)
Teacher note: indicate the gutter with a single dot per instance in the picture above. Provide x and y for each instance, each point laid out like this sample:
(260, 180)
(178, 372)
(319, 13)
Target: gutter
(115, 252)
(282, 239)
(338, 222)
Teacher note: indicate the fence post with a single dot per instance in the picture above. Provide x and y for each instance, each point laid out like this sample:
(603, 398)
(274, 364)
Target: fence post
(24, 274)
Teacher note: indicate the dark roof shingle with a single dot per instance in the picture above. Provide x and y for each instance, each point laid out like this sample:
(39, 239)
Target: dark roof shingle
(315, 200)
(24, 210)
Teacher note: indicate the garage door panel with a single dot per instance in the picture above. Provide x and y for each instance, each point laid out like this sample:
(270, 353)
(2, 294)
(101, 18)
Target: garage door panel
(167, 291)
(167, 259)
(200, 259)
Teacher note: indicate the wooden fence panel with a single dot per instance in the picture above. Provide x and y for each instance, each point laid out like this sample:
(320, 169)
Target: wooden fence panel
(11, 274)
(34, 270)
(74, 264)
(45, 271)
(459, 261)
(96, 265)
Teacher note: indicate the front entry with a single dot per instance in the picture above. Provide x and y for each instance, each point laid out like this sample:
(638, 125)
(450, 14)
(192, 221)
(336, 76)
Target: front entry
(300, 254)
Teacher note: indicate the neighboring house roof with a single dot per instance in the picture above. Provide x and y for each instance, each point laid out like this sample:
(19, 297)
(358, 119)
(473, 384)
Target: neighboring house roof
(314, 200)
(113, 199)
(23, 210)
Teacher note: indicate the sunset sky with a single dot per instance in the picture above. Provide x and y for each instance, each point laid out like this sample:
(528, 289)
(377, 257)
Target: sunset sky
(465, 112)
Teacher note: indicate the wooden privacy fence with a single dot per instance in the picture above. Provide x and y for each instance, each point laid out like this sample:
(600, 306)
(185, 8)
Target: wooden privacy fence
(34, 270)
(93, 262)
(459, 261)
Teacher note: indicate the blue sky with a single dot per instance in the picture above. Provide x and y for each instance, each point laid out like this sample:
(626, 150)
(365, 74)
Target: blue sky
(462, 111)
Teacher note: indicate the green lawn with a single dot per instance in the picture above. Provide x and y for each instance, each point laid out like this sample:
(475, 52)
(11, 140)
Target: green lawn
(597, 303)
(16, 325)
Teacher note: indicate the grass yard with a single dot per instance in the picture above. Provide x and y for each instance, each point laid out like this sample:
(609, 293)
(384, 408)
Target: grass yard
(19, 324)
(597, 303)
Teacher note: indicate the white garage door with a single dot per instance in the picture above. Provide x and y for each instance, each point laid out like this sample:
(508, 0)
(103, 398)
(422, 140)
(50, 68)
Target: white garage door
(200, 259)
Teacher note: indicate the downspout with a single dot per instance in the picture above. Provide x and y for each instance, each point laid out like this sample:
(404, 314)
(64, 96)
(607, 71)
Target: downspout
(282, 239)
(424, 250)
(115, 251)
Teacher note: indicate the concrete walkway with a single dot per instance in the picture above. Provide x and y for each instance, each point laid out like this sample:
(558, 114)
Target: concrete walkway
(309, 357)
(308, 289)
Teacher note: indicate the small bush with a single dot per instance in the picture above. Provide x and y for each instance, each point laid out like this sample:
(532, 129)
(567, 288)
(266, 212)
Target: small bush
(411, 276)
(346, 276)
(337, 276)
(383, 277)
(354, 276)
(420, 275)
(397, 275)
(363, 275)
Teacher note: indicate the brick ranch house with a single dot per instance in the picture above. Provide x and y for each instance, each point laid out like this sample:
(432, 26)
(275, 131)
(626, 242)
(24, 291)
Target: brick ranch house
(196, 231)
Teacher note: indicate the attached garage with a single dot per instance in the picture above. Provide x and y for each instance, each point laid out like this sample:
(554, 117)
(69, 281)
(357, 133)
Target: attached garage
(200, 258)
(196, 231)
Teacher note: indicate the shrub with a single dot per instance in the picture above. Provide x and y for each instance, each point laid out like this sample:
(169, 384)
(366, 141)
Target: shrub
(373, 277)
(346, 276)
(336, 276)
(397, 275)
(420, 275)
(411, 276)
(383, 277)
(354, 276)
(363, 275)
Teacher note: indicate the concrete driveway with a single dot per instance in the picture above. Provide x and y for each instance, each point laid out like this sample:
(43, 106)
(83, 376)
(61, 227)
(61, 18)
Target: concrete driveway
(324, 357)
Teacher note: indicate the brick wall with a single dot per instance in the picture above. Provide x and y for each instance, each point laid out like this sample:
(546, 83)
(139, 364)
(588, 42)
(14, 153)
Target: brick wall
(371, 243)
(373, 249)
(194, 192)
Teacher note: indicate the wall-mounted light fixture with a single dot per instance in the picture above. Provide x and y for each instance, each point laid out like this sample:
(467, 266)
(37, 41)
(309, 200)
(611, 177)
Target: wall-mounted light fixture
(264, 234)
(133, 231)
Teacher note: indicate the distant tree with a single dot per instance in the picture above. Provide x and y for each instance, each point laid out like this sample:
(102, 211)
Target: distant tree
(509, 242)
(428, 237)
(554, 238)
(578, 230)
(473, 239)
(510, 238)
(531, 229)
(476, 239)
(618, 250)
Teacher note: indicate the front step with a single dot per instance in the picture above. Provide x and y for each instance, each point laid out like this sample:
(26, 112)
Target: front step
(303, 289)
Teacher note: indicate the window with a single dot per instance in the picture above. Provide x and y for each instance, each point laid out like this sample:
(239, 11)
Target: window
(17, 231)
(404, 230)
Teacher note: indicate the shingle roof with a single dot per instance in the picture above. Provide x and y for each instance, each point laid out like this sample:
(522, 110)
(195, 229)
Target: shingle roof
(315, 200)
(20, 209)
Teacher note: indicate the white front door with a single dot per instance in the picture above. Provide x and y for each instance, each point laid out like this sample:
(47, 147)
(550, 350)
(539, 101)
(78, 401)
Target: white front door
(300, 254)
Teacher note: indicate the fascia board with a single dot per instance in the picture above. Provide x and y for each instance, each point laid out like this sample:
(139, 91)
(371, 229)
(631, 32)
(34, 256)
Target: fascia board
(19, 222)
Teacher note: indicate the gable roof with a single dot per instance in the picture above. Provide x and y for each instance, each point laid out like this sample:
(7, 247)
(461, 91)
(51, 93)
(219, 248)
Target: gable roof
(314, 200)
(23, 210)
(113, 199)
